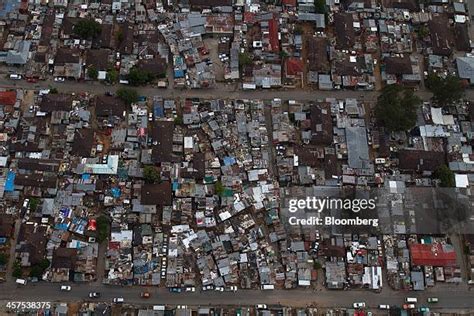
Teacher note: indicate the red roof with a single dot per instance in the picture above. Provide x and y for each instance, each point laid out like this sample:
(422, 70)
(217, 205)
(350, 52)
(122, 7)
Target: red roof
(437, 255)
(92, 225)
(289, 3)
(273, 30)
(7, 97)
(249, 17)
(294, 66)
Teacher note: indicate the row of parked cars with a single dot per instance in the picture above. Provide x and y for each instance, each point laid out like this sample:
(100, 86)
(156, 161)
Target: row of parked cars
(409, 304)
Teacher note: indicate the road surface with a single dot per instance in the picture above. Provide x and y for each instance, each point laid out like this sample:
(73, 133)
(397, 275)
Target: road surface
(223, 91)
(452, 297)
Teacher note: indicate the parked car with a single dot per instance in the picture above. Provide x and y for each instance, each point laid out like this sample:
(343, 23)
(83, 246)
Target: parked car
(261, 306)
(66, 288)
(432, 300)
(233, 288)
(191, 289)
(175, 290)
(219, 289)
(118, 300)
(384, 306)
(21, 281)
(408, 306)
(94, 295)
(207, 287)
(59, 79)
(359, 305)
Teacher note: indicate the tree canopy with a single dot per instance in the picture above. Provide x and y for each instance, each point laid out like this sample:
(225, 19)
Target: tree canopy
(245, 59)
(112, 75)
(87, 28)
(128, 96)
(3, 259)
(37, 270)
(447, 90)
(103, 224)
(446, 176)
(151, 174)
(92, 72)
(138, 77)
(396, 108)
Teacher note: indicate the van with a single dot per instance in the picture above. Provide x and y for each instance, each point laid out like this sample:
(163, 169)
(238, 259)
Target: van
(411, 300)
(21, 281)
(158, 307)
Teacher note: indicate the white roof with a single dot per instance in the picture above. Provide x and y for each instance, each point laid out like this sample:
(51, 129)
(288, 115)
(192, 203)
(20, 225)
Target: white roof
(461, 180)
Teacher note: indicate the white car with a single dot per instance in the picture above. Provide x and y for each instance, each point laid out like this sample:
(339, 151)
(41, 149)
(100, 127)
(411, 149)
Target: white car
(191, 289)
(384, 306)
(65, 288)
(118, 300)
(359, 305)
(59, 79)
(207, 287)
(233, 288)
(219, 289)
(261, 306)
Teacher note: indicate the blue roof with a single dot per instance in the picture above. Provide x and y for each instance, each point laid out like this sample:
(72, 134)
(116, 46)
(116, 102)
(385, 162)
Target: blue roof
(116, 192)
(61, 226)
(158, 110)
(228, 161)
(175, 186)
(10, 182)
(179, 73)
(86, 176)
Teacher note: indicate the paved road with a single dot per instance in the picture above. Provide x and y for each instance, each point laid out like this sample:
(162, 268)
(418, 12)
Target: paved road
(223, 91)
(450, 296)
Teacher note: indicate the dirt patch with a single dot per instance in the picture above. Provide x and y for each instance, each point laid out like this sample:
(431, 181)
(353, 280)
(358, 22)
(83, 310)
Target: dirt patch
(218, 66)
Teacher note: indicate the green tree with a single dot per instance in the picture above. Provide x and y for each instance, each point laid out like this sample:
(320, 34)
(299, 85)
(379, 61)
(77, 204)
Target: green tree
(151, 174)
(87, 29)
(103, 227)
(120, 36)
(423, 31)
(3, 259)
(447, 90)
(112, 76)
(396, 108)
(17, 271)
(245, 59)
(298, 29)
(178, 120)
(320, 6)
(138, 77)
(128, 96)
(219, 187)
(318, 265)
(34, 203)
(53, 90)
(38, 269)
(445, 175)
(92, 72)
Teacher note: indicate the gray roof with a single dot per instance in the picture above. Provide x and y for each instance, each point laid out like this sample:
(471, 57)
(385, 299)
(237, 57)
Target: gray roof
(19, 55)
(466, 68)
(357, 147)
